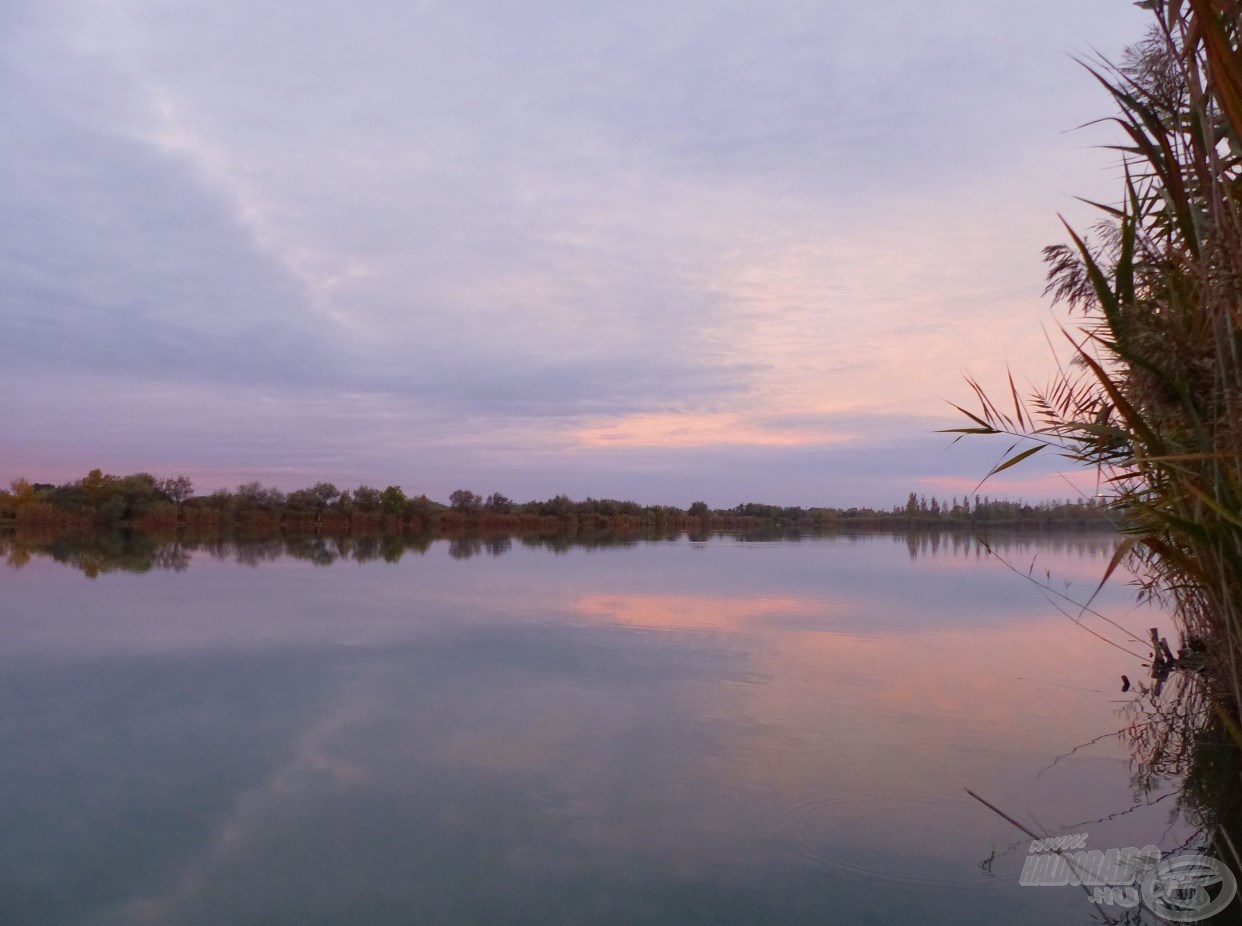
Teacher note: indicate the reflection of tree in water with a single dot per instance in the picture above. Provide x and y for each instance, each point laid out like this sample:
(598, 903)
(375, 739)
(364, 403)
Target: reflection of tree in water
(172, 556)
(15, 555)
(1087, 544)
(465, 547)
(99, 553)
(258, 552)
(392, 548)
(366, 549)
(563, 542)
(497, 545)
(557, 544)
(96, 554)
(462, 548)
(320, 551)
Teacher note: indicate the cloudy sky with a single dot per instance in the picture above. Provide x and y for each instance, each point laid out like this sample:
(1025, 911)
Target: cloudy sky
(663, 251)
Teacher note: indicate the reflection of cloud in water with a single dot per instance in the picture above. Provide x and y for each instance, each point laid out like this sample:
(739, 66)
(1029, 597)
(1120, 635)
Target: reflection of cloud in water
(468, 777)
(315, 764)
(508, 739)
(445, 784)
(696, 612)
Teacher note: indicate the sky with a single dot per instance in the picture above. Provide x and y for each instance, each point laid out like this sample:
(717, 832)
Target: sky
(729, 251)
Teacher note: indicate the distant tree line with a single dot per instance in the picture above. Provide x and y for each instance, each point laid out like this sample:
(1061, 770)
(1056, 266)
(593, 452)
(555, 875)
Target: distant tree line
(143, 502)
(981, 509)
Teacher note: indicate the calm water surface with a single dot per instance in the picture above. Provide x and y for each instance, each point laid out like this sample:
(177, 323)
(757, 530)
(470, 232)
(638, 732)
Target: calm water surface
(670, 732)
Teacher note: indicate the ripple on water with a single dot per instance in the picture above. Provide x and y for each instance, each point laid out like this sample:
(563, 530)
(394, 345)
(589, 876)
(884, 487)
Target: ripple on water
(923, 839)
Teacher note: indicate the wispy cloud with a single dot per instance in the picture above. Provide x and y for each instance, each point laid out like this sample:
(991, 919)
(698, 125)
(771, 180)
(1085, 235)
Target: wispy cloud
(521, 233)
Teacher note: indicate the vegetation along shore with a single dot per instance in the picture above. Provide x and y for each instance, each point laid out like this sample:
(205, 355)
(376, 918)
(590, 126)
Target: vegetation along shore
(1152, 396)
(143, 502)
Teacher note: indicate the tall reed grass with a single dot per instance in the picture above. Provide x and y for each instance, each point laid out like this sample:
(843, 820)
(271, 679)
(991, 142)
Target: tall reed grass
(1153, 394)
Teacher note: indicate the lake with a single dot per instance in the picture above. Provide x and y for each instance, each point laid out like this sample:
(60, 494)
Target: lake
(668, 732)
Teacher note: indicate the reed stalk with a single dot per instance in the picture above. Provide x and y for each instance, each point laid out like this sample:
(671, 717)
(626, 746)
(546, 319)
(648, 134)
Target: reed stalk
(1153, 395)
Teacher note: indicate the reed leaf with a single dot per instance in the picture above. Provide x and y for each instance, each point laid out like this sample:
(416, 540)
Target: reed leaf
(1153, 395)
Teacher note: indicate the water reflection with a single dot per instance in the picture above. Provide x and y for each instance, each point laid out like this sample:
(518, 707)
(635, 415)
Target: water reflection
(476, 731)
(1091, 545)
(99, 553)
(1178, 737)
